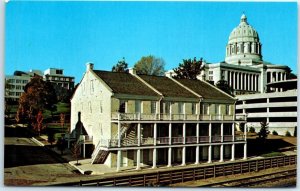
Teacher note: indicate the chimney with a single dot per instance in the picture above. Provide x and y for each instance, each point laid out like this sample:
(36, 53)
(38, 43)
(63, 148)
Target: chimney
(170, 73)
(132, 71)
(89, 66)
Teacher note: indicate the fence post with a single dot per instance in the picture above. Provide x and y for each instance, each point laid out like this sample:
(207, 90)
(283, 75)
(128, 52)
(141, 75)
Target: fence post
(241, 166)
(256, 165)
(194, 174)
(214, 171)
(144, 179)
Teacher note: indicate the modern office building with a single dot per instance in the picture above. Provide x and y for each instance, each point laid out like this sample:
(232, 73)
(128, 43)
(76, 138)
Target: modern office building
(56, 76)
(278, 109)
(136, 120)
(19, 79)
(15, 83)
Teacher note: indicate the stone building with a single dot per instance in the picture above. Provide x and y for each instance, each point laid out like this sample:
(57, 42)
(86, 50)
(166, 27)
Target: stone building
(139, 120)
(244, 68)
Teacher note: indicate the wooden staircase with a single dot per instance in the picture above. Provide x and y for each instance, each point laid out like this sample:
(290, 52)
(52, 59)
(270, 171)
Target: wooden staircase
(101, 157)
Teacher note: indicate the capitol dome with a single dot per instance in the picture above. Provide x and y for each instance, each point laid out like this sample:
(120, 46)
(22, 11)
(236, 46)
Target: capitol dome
(243, 44)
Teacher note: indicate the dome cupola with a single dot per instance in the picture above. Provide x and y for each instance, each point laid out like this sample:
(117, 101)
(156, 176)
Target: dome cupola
(243, 44)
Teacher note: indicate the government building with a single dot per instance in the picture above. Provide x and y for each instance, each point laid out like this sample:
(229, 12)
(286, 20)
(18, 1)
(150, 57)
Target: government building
(244, 69)
(264, 90)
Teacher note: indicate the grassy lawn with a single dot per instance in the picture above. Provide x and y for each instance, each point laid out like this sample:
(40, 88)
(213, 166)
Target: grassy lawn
(61, 108)
(273, 154)
(56, 129)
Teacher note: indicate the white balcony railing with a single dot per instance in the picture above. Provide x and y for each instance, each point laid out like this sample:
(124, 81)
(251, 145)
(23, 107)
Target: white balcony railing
(178, 117)
(126, 142)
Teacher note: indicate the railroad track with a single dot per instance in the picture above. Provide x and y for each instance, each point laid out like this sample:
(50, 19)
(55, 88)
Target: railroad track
(255, 181)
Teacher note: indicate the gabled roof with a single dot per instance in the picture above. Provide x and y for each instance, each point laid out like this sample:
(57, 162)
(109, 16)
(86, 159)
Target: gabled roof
(124, 83)
(167, 87)
(204, 89)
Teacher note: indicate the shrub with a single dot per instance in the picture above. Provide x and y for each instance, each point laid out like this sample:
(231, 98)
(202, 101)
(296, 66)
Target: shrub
(288, 134)
(274, 132)
(252, 130)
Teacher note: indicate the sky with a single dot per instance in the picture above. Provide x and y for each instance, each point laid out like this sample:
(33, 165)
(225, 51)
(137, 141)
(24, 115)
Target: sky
(67, 35)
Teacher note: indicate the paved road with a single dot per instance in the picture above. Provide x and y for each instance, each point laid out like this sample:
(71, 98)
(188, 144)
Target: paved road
(26, 163)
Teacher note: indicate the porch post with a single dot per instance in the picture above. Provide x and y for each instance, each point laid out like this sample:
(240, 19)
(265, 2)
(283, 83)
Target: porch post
(118, 160)
(138, 159)
(183, 141)
(154, 158)
(197, 147)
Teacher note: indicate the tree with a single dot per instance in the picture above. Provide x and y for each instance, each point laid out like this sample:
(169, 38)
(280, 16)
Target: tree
(224, 86)
(62, 120)
(121, 66)
(264, 132)
(38, 95)
(189, 69)
(38, 124)
(150, 65)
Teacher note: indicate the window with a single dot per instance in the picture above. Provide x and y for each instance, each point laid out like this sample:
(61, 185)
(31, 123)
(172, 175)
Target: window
(180, 107)
(122, 106)
(59, 72)
(227, 109)
(206, 109)
(211, 78)
(18, 93)
(167, 107)
(193, 108)
(153, 106)
(92, 86)
(217, 109)
(137, 106)
(18, 81)
(211, 72)
(90, 107)
(101, 108)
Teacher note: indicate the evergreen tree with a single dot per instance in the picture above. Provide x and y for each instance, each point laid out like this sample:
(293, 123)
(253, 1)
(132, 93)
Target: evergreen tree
(121, 66)
(189, 69)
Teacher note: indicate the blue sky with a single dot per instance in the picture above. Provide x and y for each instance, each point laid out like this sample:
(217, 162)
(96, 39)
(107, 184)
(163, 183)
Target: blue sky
(67, 35)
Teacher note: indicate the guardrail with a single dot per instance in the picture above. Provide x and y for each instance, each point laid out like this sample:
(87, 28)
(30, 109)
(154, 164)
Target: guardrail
(112, 143)
(176, 117)
(171, 176)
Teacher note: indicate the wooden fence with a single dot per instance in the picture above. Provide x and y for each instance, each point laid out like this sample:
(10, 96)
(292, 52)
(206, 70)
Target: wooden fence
(170, 176)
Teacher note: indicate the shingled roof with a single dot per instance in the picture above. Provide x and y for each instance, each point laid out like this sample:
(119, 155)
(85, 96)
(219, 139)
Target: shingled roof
(125, 83)
(204, 89)
(167, 87)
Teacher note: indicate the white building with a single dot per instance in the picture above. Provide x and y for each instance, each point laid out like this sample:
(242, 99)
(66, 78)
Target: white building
(56, 76)
(278, 109)
(17, 82)
(243, 68)
(135, 120)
